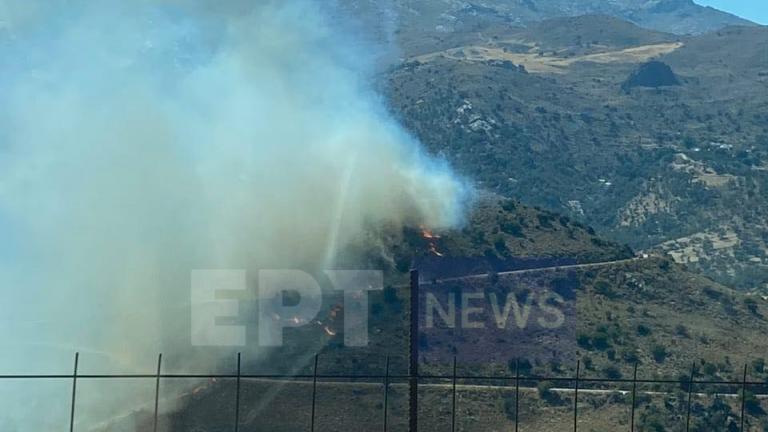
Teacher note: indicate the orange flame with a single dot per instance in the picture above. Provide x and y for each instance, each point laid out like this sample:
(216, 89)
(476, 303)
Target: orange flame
(427, 234)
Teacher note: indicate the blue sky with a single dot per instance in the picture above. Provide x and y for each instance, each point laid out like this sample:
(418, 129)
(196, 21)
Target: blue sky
(754, 10)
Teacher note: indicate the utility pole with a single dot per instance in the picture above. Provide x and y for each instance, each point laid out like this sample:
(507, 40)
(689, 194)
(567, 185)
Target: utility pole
(413, 369)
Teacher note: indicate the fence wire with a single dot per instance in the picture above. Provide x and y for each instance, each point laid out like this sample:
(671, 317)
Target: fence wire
(513, 381)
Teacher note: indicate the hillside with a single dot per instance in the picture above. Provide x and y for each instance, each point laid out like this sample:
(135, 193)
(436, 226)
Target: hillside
(499, 234)
(423, 24)
(541, 116)
(625, 311)
(601, 31)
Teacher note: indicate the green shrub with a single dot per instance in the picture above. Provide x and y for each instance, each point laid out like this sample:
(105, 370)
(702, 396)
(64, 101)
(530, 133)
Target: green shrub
(682, 331)
(643, 330)
(752, 405)
(600, 342)
(584, 342)
(524, 364)
(612, 372)
(751, 305)
(546, 394)
(758, 366)
(710, 369)
(605, 289)
(630, 356)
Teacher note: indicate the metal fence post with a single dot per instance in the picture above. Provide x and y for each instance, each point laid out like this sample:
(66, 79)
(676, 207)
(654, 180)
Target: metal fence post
(743, 397)
(690, 393)
(454, 377)
(157, 390)
(634, 398)
(413, 380)
(237, 396)
(453, 406)
(576, 398)
(517, 394)
(386, 392)
(74, 394)
(314, 394)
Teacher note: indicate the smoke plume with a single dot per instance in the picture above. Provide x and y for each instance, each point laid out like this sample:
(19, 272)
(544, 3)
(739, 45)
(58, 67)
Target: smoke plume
(142, 139)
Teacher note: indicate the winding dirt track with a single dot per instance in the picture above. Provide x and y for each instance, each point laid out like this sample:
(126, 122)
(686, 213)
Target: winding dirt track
(544, 269)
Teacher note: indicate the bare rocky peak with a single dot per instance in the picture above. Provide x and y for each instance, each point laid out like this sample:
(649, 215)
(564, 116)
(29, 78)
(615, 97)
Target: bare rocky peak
(671, 16)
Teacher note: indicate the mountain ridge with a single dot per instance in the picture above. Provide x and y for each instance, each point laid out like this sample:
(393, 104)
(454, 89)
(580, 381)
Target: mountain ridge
(665, 168)
(407, 21)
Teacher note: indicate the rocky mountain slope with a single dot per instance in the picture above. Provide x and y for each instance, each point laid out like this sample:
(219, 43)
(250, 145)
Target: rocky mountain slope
(424, 23)
(543, 114)
(647, 311)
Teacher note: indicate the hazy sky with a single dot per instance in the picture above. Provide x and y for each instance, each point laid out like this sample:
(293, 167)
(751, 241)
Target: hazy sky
(755, 10)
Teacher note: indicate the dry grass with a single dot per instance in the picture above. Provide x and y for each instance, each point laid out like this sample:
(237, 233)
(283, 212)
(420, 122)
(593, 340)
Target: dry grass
(548, 63)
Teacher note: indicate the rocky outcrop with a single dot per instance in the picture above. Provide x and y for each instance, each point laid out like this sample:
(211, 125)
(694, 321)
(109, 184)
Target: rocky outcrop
(653, 74)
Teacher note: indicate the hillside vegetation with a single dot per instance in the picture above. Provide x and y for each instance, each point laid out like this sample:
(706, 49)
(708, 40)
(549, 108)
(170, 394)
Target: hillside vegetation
(648, 312)
(545, 115)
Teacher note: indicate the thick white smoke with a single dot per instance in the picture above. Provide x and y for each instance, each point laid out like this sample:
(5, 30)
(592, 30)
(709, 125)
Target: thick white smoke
(142, 139)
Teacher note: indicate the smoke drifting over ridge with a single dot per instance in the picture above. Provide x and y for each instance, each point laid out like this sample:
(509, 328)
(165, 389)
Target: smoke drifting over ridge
(140, 140)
